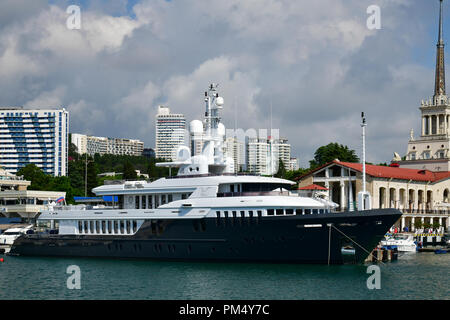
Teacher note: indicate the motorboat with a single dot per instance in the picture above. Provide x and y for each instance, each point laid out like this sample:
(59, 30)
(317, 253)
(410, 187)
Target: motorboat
(403, 241)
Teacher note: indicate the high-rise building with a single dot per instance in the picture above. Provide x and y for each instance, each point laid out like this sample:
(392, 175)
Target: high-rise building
(293, 164)
(283, 149)
(265, 154)
(38, 136)
(102, 145)
(235, 149)
(170, 133)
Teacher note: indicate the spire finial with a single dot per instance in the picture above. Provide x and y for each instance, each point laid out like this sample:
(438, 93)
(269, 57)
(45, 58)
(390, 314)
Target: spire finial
(440, 40)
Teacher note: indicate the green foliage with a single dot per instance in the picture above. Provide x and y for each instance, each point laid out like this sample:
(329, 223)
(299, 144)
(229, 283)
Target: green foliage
(330, 152)
(44, 182)
(418, 224)
(281, 170)
(128, 171)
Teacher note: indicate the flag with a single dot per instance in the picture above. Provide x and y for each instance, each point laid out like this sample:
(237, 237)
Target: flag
(61, 199)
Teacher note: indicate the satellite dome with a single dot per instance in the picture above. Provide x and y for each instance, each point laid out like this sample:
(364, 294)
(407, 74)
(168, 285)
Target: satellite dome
(196, 127)
(219, 101)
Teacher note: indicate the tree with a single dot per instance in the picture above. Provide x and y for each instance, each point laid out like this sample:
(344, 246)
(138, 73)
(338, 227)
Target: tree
(39, 180)
(418, 224)
(281, 173)
(331, 152)
(128, 172)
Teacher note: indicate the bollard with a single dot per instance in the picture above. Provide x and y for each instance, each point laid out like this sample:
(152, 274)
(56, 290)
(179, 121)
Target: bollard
(379, 255)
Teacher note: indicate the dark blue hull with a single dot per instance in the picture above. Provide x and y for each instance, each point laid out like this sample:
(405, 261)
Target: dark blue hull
(280, 239)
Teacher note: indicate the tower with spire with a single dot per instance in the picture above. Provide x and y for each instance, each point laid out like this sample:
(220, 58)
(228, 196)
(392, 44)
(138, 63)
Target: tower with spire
(431, 149)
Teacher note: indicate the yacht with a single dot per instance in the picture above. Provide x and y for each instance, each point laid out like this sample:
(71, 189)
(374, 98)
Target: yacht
(208, 213)
(8, 237)
(403, 241)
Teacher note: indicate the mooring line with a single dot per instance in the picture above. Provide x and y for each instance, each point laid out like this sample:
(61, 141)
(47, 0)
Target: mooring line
(370, 253)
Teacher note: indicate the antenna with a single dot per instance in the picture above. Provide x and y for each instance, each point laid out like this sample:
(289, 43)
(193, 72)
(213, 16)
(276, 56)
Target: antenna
(363, 125)
(364, 199)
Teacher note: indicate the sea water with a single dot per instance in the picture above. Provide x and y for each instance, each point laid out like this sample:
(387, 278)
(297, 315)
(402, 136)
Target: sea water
(413, 276)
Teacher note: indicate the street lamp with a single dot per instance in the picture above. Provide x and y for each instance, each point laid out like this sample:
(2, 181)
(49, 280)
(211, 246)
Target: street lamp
(85, 174)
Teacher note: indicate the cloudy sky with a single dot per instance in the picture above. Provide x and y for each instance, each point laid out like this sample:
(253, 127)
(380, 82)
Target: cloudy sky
(316, 62)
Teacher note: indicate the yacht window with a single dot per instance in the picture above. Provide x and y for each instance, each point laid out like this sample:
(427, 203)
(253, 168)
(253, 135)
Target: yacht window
(299, 211)
(315, 211)
(116, 227)
(80, 226)
(232, 188)
(137, 202)
(163, 199)
(97, 227)
(289, 211)
(270, 212)
(280, 212)
(91, 226)
(109, 227)
(307, 211)
(242, 214)
(183, 196)
(103, 227)
(122, 227)
(250, 214)
(259, 212)
(134, 226)
(128, 226)
(86, 228)
(156, 201)
(170, 198)
(321, 211)
(144, 202)
(234, 214)
(226, 214)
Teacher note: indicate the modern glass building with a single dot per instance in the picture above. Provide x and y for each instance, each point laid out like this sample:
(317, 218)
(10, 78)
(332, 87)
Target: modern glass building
(38, 136)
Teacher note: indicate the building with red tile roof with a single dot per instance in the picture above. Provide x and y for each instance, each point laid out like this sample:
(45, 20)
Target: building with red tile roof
(410, 190)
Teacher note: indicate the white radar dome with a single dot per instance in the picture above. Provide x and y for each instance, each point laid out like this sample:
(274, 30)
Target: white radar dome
(195, 127)
(219, 101)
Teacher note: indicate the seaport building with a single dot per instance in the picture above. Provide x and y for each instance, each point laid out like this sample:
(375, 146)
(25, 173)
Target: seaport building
(17, 201)
(420, 194)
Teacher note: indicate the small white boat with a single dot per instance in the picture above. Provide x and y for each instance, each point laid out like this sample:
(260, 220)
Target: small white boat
(8, 237)
(404, 242)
